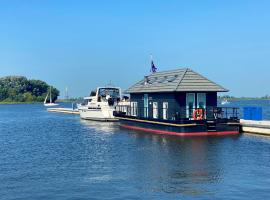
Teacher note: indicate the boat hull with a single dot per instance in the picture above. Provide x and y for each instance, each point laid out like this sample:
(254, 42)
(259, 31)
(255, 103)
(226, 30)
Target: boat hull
(97, 114)
(50, 104)
(180, 129)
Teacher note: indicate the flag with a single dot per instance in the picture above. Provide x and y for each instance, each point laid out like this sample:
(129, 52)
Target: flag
(153, 67)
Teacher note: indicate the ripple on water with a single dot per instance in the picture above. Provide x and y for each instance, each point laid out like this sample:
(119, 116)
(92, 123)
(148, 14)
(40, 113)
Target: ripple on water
(56, 156)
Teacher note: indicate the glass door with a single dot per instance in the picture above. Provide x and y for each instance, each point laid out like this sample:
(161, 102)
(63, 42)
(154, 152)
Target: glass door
(145, 103)
(190, 104)
(201, 102)
(155, 110)
(165, 110)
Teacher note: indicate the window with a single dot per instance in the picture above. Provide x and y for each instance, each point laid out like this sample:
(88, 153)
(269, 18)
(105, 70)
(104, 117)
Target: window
(165, 110)
(145, 103)
(134, 108)
(190, 104)
(155, 110)
(201, 100)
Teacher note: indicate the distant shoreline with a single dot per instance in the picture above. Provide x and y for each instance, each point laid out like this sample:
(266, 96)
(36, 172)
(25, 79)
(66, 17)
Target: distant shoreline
(243, 99)
(64, 101)
(10, 103)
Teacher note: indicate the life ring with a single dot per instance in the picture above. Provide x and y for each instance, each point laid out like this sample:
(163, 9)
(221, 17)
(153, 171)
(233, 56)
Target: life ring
(198, 114)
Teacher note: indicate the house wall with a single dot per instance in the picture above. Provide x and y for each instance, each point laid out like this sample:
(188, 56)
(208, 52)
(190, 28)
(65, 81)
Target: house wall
(211, 99)
(176, 102)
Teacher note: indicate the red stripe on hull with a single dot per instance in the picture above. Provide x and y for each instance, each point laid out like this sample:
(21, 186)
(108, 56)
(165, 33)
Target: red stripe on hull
(161, 132)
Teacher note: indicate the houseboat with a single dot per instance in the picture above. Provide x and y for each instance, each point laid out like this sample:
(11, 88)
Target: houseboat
(179, 102)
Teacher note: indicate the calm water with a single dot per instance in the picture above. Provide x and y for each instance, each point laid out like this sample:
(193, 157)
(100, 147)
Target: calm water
(58, 156)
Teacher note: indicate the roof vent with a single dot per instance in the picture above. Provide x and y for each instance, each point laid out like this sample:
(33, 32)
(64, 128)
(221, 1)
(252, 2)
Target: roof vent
(146, 80)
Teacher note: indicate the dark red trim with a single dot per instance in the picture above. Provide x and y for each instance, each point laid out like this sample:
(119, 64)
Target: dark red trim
(162, 132)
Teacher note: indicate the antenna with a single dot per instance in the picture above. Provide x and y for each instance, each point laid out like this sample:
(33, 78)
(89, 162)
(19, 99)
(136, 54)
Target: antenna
(110, 84)
(66, 93)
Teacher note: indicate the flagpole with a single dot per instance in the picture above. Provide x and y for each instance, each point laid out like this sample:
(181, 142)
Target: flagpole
(151, 60)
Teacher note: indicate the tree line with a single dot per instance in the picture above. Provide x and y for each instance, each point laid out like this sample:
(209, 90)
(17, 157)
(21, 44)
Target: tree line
(266, 97)
(20, 89)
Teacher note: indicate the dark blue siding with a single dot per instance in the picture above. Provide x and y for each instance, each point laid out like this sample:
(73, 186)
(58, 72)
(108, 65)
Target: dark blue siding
(176, 102)
(211, 99)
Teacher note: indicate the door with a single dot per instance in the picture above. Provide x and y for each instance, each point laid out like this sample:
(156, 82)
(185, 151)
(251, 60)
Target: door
(155, 110)
(190, 104)
(134, 109)
(201, 102)
(145, 103)
(165, 110)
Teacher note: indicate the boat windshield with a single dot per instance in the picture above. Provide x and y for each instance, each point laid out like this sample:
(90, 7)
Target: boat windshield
(112, 92)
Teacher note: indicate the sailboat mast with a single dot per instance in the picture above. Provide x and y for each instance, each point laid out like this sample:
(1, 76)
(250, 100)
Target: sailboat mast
(50, 94)
(45, 100)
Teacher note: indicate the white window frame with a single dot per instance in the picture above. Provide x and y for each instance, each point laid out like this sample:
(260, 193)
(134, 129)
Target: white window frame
(192, 95)
(155, 110)
(134, 108)
(199, 96)
(165, 108)
(145, 105)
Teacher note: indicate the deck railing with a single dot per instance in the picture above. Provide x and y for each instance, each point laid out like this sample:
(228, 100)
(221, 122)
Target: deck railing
(177, 113)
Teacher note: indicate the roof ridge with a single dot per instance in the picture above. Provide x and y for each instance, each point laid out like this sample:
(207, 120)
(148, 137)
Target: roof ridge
(181, 79)
(171, 70)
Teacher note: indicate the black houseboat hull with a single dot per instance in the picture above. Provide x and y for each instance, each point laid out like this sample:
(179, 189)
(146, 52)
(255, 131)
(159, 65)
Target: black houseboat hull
(189, 128)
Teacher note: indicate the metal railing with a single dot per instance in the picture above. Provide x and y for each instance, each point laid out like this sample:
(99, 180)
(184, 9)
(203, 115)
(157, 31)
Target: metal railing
(179, 113)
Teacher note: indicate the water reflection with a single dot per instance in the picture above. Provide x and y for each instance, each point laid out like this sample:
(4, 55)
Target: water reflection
(178, 164)
(104, 127)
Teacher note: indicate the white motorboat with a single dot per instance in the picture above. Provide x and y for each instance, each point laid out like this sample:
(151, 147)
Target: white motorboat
(100, 105)
(225, 102)
(50, 103)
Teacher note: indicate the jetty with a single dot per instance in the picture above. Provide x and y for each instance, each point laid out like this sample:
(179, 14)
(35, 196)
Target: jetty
(64, 110)
(255, 127)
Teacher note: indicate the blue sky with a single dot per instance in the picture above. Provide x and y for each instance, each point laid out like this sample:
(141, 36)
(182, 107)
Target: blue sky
(84, 44)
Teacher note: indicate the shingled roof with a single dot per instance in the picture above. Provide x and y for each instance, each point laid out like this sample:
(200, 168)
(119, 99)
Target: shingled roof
(179, 80)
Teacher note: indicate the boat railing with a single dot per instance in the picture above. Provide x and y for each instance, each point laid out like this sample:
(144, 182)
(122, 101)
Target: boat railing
(179, 113)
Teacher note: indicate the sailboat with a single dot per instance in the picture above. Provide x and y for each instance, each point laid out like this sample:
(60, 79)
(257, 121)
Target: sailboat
(51, 103)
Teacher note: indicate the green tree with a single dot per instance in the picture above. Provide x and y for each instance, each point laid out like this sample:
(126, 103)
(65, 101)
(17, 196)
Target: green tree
(19, 89)
(28, 97)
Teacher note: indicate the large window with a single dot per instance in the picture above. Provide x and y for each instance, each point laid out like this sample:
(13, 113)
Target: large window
(145, 104)
(190, 104)
(165, 110)
(134, 108)
(155, 110)
(201, 100)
